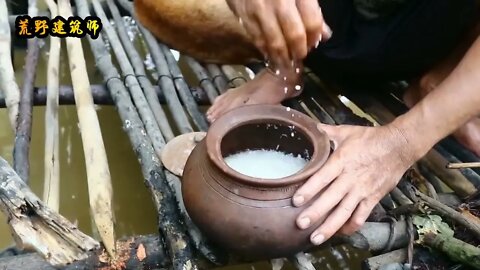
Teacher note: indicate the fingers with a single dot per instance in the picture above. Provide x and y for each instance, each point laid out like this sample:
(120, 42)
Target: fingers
(318, 181)
(272, 34)
(312, 20)
(337, 191)
(335, 220)
(250, 24)
(293, 30)
(359, 217)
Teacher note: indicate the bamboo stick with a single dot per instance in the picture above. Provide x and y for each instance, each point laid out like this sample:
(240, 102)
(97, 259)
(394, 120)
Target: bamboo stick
(51, 191)
(185, 94)
(98, 174)
(202, 76)
(169, 220)
(166, 82)
(139, 70)
(460, 165)
(24, 126)
(218, 78)
(8, 85)
(100, 94)
(235, 78)
(153, 131)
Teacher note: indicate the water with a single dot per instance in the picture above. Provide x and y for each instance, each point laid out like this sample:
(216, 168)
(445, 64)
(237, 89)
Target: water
(266, 164)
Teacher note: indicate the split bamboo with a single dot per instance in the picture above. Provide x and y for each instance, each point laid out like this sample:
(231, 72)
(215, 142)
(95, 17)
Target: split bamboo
(98, 174)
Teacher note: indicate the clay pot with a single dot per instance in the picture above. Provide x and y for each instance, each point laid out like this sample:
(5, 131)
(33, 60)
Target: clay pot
(251, 216)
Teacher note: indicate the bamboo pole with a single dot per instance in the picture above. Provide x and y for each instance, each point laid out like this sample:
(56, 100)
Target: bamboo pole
(51, 191)
(169, 220)
(139, 70)
(218, 78)
(184, 91)
(153, 131)
(8, 85)
(100, 94)
(24, 126)
(235, 78)
(166, 82)
(98, 174)
(203, 78)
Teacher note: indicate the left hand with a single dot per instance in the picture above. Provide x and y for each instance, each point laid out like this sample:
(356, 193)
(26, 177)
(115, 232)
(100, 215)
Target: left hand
(366, 164)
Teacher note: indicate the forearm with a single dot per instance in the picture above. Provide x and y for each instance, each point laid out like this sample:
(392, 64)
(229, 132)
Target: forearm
(454, 102)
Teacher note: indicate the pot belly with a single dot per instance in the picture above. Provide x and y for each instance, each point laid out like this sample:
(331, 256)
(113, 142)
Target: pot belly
(266, 230)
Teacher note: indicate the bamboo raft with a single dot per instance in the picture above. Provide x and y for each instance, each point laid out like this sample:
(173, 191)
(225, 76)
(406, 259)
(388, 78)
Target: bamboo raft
(435, 205)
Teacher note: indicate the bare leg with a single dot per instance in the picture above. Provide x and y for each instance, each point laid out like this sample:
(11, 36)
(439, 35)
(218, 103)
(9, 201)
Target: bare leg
(211, 33)
(469, 134)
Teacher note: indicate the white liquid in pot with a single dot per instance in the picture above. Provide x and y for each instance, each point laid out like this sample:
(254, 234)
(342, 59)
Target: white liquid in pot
(267, 164)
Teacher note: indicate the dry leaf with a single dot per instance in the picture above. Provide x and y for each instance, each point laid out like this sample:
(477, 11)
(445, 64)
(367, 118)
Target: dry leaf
(141, 253)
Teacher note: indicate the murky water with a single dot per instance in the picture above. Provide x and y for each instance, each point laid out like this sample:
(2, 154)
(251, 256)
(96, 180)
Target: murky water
(134, 209)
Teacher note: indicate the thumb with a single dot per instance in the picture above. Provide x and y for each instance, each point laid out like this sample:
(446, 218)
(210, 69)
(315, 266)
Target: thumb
(332, 132)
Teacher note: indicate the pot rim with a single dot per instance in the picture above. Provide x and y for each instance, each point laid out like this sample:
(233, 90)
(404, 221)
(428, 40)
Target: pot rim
(251, 114)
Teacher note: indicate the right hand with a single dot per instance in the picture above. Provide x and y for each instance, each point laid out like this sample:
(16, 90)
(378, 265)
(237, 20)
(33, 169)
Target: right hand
(283, 30)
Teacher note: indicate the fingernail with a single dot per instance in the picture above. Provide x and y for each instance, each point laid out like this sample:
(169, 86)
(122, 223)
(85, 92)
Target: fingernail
(298, 200)
(304, 222)
(328, 31)
(318, 41)
(317, 239)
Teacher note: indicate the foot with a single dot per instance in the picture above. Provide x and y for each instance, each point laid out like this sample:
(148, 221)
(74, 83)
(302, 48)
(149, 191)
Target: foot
(469, 135)
(265, 88)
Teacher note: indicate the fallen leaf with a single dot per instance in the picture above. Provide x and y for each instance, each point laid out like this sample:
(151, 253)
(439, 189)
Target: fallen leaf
(141, 253)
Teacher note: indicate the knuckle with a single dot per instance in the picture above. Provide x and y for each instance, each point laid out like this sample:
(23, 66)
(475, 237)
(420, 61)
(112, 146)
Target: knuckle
(277, 46)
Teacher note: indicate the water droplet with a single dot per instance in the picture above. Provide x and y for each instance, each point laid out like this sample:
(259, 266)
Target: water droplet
(293, 135)
(277, 72)
(285, 89)
(285, 78)
(288, 109)
(297, 70)
(298, 87)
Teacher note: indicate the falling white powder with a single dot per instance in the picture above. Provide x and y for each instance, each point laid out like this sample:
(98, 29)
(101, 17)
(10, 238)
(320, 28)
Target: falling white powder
(266, 164)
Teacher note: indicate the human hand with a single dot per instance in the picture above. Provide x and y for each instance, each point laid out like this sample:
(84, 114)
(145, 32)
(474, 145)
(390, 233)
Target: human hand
(366, 164)
(283, 30)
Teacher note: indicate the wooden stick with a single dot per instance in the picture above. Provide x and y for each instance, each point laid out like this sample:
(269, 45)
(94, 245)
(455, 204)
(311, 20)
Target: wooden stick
(98, 174)
(469, 223)
(8, 84)
(24, 127)
(139, 70)
(51, 191)
(37, 227)
(203, 78)
(100, 94)
(169, 220)
(463, 165)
